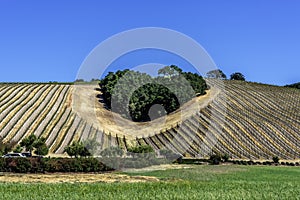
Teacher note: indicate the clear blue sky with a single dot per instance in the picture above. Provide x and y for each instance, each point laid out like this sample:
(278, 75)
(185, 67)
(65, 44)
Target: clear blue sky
(48, 40)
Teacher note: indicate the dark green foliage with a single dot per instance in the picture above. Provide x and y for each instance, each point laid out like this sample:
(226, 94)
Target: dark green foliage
(225, 157)
(33, 143)
(28, 142)
(237, 76)
(295, 85)
(18, 165)
(41, 147)
(215, 159)
(141, 149)
(18, 149)
(38, 165)
(275, 159)
(217, 74)
(132, 94)
(77, 149)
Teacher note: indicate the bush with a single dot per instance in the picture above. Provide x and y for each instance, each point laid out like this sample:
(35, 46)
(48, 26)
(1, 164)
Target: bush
(215, 159)
(38, 165)
(275, 159)
(225, 157)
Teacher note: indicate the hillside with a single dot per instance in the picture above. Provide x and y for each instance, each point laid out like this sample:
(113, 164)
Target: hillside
(244, 120)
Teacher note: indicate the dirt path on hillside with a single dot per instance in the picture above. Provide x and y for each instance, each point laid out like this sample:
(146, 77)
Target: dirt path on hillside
(86, 104)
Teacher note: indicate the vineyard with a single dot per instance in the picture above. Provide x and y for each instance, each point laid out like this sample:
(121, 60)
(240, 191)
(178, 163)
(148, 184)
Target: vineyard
(244, 120)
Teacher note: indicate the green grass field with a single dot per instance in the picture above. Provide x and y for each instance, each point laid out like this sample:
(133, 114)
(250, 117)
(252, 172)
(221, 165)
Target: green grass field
(200, 182)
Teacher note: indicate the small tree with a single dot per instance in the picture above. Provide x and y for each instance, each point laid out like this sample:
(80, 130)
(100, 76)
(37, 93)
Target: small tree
(275, 159)
(215, 159)
(41, 147)
(28, 143)
(169, 71)
(6, 147)
(32, 143)
(18, 149)
(225, 157)
(237, 76)
(217, 74)
(77, 149)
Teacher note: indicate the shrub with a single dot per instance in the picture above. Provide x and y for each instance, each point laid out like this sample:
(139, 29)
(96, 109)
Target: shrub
(215, 159)
(275, 159)
(34, 165)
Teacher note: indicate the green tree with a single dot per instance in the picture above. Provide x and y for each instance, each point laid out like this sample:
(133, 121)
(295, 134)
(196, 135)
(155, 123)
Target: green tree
(41, 147)
(18, 149)
(29, 142)
(217, 74)
(141, 149)
(275, 159)
(6, 147)
(168, 71)
(295, 85)
(77, 149)
(237, 76)
(35, 144)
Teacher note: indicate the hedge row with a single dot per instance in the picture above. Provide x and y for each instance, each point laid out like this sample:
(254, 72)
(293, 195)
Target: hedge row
(216, 161)
(42, 165)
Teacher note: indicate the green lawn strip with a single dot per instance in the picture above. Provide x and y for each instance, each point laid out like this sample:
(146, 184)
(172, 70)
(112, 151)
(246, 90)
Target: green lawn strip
(201, 182)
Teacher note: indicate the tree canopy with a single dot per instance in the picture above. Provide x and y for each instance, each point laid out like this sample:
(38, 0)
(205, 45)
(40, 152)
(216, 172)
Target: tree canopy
(217, 73)
(132, 94)
(237, 76)
(77, 149)
(295, 85)
(34, 143)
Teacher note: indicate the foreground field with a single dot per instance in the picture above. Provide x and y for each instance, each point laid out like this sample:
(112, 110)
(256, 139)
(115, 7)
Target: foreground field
(198, 182)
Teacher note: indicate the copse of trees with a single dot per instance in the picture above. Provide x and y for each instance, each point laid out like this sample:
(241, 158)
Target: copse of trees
(237, 76)
(132, 94)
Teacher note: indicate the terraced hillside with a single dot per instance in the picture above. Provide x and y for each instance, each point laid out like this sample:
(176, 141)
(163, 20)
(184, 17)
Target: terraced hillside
(244, 120)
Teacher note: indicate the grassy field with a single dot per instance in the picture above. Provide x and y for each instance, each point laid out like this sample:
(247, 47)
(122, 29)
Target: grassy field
(199, 182)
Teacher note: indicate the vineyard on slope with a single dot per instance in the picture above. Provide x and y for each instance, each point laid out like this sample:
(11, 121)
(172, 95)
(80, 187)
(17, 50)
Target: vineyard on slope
(244, 120)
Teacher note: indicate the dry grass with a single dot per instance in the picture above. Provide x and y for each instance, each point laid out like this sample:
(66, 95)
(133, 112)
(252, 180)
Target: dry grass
(92, 111)
(73, 178)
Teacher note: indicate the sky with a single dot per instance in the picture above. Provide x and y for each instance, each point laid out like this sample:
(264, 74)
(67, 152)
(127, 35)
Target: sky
(48, 40)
